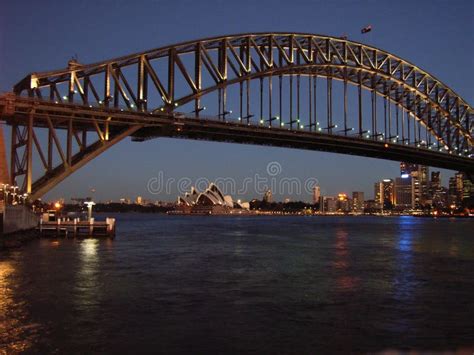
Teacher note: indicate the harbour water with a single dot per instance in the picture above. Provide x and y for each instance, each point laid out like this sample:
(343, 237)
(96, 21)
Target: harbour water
(252, 284)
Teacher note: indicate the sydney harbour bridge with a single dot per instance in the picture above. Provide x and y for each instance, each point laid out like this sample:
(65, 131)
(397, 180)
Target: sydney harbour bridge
(291, 90)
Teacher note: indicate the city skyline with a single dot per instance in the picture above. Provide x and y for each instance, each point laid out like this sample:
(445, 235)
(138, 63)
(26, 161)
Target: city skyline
(126, 168)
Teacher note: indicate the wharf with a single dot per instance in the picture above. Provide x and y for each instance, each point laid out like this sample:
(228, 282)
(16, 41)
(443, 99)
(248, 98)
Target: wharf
(76, 228)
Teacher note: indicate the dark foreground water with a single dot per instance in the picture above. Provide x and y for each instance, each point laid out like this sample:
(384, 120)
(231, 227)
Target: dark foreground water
(201, 285)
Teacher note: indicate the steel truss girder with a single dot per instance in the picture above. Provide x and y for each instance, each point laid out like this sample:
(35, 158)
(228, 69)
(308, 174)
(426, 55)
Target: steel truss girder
(25, 142)
(260, 50)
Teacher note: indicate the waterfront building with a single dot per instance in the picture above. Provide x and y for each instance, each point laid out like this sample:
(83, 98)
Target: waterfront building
(210, 201)
(316, 194)
(344, 203)
(459, 177)
(139, 200)
(371, 206)
(404, 193)
(452, 193)
(383, 193)
(420, 185)
(468, 192)
(420, 182)
(437, 192)
(358, 201)
(328, 204)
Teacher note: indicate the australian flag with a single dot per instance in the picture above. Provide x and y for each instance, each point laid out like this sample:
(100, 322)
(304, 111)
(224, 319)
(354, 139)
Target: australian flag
(366, 29)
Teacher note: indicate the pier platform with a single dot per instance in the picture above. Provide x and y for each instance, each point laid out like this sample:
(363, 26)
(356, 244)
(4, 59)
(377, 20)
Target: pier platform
(77, 228)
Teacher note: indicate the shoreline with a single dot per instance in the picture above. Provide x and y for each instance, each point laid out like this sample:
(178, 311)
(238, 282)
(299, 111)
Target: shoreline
(17, 239)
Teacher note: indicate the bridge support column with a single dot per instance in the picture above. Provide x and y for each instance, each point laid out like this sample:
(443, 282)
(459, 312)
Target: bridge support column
(4, 177)
(29, 155)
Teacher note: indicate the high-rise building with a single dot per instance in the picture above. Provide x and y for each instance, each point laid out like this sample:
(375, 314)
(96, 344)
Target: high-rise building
(407, 169)
(404, 192)
(139, 200)
(343, 203)
(435, 181)
(316, 194)
(383, 193)
(327, 204)
(358, 201)
(437, 192)
(452, 193)
(468, 193)
(420, 183)
(459, 187)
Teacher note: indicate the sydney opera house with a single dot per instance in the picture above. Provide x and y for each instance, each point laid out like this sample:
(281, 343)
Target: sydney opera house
(210, 201)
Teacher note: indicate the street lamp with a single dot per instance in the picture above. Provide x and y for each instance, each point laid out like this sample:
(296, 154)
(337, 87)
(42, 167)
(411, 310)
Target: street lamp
(89, 205)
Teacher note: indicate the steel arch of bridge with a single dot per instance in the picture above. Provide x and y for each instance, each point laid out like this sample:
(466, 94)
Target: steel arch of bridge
(97, 97)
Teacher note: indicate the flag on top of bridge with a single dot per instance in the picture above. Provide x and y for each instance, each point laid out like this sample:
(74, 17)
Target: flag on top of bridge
(366, 29)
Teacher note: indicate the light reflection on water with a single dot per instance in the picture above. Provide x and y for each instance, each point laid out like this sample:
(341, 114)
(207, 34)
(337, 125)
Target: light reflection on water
(17, 334)
(345, 281)
(87, 287)
(244, 285)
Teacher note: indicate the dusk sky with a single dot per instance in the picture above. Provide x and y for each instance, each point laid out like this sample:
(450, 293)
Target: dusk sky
(43, 35)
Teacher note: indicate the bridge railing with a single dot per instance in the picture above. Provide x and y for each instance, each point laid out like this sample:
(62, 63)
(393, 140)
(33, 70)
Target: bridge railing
(276, 123)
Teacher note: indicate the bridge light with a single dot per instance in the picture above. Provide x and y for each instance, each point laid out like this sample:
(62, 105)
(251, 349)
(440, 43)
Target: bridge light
(298, 120)
(282, 124)
(175, 104)
(100, 102)
(261, 121)
(64, 97)
(385, 145)
(319, 129)
(394, 141)
(230, 111)
(367, 136)
(239, 118)
(368, 131)
(132, 105)
(162, 109)
(56, 102)
(75, 91)
(317, 123)
(301, 126)
(277, 117)
(335, 126)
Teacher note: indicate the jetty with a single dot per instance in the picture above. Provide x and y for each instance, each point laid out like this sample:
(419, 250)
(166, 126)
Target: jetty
(71, 228)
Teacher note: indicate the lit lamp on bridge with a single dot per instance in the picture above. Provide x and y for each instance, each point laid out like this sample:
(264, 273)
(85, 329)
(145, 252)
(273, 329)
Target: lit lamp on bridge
(89, 205)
